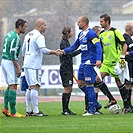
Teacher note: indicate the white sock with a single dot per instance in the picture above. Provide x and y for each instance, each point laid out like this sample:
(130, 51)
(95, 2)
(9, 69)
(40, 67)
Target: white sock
(28, 101)
(34, 100)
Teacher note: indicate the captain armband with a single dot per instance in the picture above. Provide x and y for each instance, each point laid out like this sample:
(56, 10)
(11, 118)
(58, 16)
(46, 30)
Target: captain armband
(95, 40)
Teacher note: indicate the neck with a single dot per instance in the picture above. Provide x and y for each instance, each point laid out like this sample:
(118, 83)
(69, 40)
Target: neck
(85, 27)
(128, 33)
(107, 27)
(17, 31)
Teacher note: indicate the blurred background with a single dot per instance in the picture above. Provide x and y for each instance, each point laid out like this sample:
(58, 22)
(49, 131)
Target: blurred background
(60, 13)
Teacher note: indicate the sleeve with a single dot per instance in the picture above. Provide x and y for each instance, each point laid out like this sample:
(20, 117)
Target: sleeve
(72, 47)
(24, 48)
(75, 53)
(64, 45)
(40, 40)
(45, 51)
(41, 45)
(120, 37)
(14, 52)
(99, 51)
(96, 41)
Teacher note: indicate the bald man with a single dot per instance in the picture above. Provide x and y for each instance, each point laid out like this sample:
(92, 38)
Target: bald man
(32, 51)
(91, 53)
(129, 58)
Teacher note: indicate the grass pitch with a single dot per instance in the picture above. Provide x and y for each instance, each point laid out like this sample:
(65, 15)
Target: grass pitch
(56, 123)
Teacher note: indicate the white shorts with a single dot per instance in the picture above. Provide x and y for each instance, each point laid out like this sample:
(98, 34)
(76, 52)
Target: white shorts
(31, 76)
(9, 72)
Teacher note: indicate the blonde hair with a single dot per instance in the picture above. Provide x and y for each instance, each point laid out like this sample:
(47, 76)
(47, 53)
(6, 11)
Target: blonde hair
(128, 26)
(97, 29)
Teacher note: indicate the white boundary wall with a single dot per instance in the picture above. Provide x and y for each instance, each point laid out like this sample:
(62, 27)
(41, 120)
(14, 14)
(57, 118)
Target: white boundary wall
(51, 78)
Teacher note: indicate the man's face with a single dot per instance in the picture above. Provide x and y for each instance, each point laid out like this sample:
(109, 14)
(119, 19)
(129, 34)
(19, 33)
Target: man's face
(43, 27)
(103, 23)
(131, 29)
(23, 28)
(81, 24)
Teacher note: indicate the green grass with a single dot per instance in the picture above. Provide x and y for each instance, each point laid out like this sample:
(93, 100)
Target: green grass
(56, 123)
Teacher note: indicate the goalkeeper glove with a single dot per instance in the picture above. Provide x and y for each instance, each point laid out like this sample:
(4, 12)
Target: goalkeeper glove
(122, 61)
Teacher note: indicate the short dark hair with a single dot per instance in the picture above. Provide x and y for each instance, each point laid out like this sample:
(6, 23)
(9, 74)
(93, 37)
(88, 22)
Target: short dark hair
(19, 22)
(106, 18)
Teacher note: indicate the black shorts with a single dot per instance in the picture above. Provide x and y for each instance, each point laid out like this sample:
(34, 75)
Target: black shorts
(66, 77)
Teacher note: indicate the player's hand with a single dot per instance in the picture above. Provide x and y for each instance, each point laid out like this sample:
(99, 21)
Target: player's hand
(58, 52)
(18, 73)
(122, 61)
(98, 63)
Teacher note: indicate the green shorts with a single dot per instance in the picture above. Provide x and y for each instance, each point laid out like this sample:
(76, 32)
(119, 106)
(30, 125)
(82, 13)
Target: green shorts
(108, 69)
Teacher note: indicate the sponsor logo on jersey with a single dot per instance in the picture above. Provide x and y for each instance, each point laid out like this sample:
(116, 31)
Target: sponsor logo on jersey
(83, 47)
(85, 40)
(107, 44)
(87, 78)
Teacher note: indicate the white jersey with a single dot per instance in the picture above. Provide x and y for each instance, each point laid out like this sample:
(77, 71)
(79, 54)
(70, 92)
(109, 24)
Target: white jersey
(33, 43)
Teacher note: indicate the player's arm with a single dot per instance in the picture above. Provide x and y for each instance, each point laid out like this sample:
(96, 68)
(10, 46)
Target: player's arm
(14, 52)
(72, 47)
(98, 46)
(23, 49)
(16, 65)
(47, 51)
(121, 40)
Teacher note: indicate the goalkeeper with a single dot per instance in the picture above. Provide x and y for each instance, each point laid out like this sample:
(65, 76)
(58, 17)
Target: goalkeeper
(114, 49)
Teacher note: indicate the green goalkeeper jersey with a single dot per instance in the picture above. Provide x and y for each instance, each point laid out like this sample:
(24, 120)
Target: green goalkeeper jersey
(112, 41)
(11, 46)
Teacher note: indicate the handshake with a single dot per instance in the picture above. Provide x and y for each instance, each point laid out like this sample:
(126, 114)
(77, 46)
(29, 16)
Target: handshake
(59, 52)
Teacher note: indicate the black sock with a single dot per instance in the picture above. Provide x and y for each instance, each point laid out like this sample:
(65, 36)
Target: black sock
(125, 96)
(103, 87)
(130, 94)
(96, 96)
(65, 101)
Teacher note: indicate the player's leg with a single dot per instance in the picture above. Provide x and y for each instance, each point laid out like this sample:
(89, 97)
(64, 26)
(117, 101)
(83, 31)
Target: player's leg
(124, 94)
(13, 81)
(89, 77)
(32, 80)
(86, 104)
(67, 82)
(97, 109)
(29, 111)
(26, 83)
(104, 70)
(4, 70)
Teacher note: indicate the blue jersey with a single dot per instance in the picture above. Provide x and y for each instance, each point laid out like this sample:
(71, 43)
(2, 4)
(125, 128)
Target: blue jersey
(89, 44)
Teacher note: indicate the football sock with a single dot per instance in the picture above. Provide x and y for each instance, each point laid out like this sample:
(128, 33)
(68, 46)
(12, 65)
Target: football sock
(125, 96)
(86, 103)
(89, 91)
(103, 87)
(6, 98)
(34, 100)
(130, 94)
(65, 101)
(28, 100)
(96, 96)
(12, 100)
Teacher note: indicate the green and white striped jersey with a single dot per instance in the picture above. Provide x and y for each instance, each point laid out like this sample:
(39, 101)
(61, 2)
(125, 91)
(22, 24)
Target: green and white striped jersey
(11, 46)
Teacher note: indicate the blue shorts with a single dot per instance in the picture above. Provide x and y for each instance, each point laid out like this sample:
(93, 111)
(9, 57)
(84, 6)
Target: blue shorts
(87, 73)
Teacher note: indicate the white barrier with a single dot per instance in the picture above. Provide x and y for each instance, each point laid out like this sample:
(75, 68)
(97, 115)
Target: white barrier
(51, 77)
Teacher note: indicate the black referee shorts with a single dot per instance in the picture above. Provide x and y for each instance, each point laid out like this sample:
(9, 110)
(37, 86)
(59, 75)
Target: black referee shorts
(67, 78)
